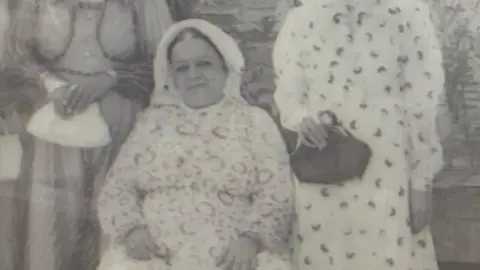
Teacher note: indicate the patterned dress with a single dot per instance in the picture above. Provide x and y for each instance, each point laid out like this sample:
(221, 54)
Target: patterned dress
(197, 178)
(377, 65)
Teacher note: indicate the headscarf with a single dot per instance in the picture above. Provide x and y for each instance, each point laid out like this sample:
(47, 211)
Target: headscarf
(165, 92)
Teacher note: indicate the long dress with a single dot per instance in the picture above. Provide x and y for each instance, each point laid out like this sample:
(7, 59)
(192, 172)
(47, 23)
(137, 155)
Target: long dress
(377, 65)
(57, 226)
(199, 178)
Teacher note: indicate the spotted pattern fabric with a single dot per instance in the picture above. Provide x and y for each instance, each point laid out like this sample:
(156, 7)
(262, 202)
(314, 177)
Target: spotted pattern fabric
(377, 65)
(201, 177)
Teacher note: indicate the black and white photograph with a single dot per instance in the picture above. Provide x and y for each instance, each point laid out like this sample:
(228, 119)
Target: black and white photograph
(239, 135)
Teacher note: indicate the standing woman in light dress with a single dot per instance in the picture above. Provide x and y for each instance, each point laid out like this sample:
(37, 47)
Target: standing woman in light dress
(377, 65)
(75, 55)
(203, 182)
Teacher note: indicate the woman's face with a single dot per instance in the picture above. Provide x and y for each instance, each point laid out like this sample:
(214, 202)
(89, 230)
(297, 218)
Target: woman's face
(198, 72)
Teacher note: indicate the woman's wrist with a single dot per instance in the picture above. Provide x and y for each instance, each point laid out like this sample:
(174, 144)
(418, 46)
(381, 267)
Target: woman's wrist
(254, 237)
(51, 82)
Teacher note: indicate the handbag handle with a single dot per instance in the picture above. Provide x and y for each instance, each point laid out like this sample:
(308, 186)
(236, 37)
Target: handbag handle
(335, 123)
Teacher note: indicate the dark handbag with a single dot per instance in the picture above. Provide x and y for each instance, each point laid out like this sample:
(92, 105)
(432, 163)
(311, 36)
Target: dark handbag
(343, 158)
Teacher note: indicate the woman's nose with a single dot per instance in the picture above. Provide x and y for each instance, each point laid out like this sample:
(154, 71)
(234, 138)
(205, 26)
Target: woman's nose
(193, 72)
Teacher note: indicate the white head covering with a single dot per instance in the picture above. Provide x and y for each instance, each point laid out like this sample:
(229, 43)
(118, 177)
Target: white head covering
(234, 61)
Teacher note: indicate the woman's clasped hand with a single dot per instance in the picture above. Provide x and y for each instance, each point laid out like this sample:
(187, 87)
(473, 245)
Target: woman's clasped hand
(241, 255)
(140, 245)
(72, 99)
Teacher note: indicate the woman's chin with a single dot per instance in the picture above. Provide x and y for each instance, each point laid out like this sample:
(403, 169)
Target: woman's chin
(199, 100)
(196, 104)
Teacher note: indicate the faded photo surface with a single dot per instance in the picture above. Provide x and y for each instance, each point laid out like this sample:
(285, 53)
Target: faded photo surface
(239, 135)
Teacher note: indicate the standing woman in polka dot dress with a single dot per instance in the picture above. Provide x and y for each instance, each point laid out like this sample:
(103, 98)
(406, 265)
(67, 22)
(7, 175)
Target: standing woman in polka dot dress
(377, 65)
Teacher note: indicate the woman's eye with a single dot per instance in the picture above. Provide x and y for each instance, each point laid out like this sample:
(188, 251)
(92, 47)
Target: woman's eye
(182, 68)
(204, 63)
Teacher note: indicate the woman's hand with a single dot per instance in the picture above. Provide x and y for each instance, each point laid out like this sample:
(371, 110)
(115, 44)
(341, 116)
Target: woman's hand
(421, 210)
(90, 92)
(140, 245)
(241, 255)
(59, 97)
(313, 132)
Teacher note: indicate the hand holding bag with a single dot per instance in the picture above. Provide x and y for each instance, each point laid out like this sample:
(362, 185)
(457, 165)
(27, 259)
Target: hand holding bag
(343, 158)
(85, 130)
(11, 154)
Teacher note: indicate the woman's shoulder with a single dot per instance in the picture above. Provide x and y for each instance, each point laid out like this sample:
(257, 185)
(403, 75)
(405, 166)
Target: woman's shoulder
(298, 16)
(157, 115)
(261, 115)
(259, 120)
(162, 110)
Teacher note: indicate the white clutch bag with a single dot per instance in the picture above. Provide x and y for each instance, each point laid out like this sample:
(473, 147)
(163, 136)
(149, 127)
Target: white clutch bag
(11, 153)
(86, 130)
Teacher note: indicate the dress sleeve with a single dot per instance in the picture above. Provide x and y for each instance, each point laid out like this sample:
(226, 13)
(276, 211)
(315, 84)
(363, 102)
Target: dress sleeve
(22, 65)
(423, 81)
(273, 189)
(135, 78)
(119, 210)
(135, 81)
(290, 89)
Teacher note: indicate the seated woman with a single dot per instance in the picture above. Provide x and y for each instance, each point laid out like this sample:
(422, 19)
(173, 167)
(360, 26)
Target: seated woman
(203, 180)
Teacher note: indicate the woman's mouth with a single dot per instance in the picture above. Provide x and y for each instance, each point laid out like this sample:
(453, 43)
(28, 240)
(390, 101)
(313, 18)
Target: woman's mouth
(197, 86)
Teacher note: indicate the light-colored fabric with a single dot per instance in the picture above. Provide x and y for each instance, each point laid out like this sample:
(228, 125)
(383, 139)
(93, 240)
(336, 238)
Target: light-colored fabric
(52, 83)
(224, 167)
(190, 256)
(116, 259)
(10, 157)
(11, 153)
(85, 130)
(378, 68)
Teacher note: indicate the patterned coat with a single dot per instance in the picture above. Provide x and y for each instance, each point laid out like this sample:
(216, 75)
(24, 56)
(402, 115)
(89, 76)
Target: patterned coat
(199, 177)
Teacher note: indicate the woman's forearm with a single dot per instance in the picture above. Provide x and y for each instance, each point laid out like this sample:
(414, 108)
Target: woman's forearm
(135, 82)
(118, 210)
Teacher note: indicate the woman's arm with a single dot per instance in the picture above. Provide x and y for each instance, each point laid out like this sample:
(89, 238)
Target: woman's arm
(22, 57)
(23, 69)
(273, 190)
(119, 210)
(152, 20)
(289, 95)
(423, 83)
(135, 81)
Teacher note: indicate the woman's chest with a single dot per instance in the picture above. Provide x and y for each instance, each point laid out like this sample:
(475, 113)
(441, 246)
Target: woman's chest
(108, 28)
(215, 143)
(202, 147)
(351, 56)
